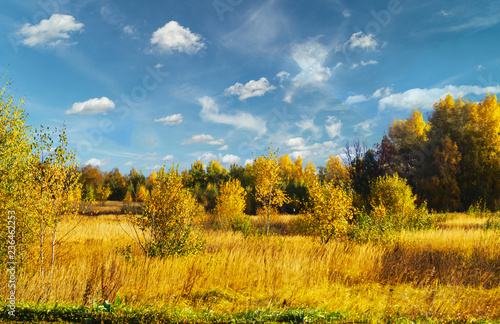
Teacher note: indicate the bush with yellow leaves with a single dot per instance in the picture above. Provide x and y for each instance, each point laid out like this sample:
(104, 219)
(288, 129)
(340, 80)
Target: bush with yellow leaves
(229, 205)
(329, 211)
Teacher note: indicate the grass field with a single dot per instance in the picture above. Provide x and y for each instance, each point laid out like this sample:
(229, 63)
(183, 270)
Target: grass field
(451, 273)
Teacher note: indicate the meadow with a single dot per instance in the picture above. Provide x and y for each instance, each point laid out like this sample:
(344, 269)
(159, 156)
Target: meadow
(450, 273)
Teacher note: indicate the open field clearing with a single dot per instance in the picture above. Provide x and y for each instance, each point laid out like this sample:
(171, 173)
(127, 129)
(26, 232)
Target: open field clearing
(449, 273)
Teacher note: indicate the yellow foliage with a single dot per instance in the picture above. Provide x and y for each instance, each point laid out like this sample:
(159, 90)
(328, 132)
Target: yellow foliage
(390, 195)
(330, 210)
(336, 172)
(409, 132)
(268, 180)
(230, 203)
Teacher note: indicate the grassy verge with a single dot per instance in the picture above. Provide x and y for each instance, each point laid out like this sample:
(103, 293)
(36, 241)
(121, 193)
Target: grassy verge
(42, 313)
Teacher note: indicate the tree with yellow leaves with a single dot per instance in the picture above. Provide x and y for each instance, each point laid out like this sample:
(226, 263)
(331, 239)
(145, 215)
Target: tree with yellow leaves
(329, 211)
(268, 182)
(230, 204)
(168, 218)
(336, 172)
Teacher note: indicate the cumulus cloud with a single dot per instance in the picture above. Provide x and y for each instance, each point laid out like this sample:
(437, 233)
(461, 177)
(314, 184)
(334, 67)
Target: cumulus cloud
(424, 99)
(91, 107)
(52, 31)
(230, 159)
(360, 40)
(333, 127)
(171, 120)
(241, 120)
(223, 148)
(249, 161)
(98, 163)
(207, 157)
(168, 158)
(173, 37)
(251, 89)
(202, 139)
(296, 142)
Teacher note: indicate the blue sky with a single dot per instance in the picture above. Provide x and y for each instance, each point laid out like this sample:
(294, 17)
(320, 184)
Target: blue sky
(159, 82)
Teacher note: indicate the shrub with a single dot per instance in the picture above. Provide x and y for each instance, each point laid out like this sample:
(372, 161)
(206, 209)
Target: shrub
(391, 196)
(168, 218)
(230, 204)
(329, 212)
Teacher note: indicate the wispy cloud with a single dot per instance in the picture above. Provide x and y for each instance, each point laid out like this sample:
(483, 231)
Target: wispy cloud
(202, 138)
(171, 120)
(241, 120)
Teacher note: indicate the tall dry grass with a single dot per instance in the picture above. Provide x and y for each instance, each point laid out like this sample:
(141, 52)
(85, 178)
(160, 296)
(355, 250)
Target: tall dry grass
(452, 272)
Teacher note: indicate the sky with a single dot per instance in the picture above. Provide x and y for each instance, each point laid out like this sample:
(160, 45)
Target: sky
(149, 83)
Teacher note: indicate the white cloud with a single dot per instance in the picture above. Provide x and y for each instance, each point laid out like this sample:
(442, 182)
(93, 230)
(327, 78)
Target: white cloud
(356, 99)
(359, 40)
(223, 148)
(346, 13)
(91, 107)
(242, 120)
(129, 163)
(382, 92)
(159, 66)
(128, 30)
(173, 37)
(370, 62)
(171, 120)
(203, 138)
(98, 163)
(230, 159)
(153, 167)
(333, 127)
(283, 75)
(424, 99)
(307, 124)
(50, 31)
(296, 142)
(444, 13)
(365, 127)
(480, 67)
(299, 147)
(310, 57)
(169, 157)
(249, 161)
(207, 157)
(251, 89)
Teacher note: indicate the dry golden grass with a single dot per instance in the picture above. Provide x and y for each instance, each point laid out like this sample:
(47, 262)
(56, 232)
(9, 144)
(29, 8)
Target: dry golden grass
(452, 272)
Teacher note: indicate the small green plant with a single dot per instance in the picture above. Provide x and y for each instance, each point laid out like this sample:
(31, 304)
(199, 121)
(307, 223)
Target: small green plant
(478, 209)
(126, 252)
(493, 222)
